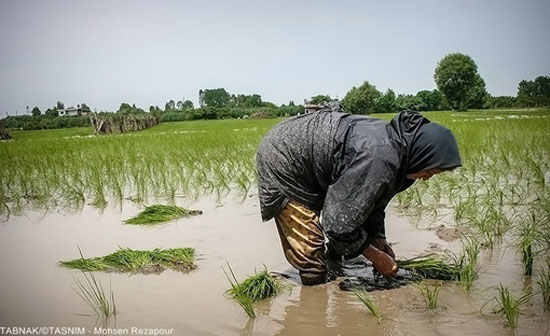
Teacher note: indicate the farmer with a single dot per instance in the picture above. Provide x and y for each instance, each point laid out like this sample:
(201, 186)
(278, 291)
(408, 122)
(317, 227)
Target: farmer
(347, 167)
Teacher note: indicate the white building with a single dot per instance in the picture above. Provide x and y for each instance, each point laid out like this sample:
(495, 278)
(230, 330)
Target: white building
(72, 111)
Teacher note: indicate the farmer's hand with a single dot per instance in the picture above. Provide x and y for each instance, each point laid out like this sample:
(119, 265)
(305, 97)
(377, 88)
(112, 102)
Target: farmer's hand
(382, 245)
(381, 261)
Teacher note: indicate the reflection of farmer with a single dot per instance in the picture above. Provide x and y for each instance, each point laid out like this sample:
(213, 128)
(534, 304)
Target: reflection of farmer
(349, 167)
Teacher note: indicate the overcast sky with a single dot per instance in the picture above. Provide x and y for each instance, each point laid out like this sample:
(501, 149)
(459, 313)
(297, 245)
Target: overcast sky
(147, 52)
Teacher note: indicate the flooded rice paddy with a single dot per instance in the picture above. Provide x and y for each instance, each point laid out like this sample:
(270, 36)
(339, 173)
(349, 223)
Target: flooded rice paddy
(36, 291)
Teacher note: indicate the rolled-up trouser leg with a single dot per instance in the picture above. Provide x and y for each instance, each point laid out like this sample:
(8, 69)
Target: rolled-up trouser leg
(303, 242)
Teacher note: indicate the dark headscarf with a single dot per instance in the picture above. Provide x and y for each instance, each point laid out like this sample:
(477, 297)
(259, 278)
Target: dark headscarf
(429, 145)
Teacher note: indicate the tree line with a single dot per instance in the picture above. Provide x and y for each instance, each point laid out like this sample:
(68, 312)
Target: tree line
(459, 87)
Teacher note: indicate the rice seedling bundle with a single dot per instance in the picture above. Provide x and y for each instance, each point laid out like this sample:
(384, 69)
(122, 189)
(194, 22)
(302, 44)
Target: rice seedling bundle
(431, 267)
(238, 295)
(258, 287)
(159, 213)
(128, 260)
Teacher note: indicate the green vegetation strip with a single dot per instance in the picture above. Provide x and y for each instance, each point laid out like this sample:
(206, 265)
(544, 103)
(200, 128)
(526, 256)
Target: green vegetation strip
(128, 260)
(159, 213)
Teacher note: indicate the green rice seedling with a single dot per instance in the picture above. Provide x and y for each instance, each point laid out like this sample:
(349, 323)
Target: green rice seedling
(431, 267)
(430, 293)
(509, 307)
(472, 248)
(369, 303)
(467, 273)
(527, 255)
(128, 260)
(467, 262)
(91, 291)
(527, 239)
(160, 213)
(238, 295)
(544, 285)
(257, 287)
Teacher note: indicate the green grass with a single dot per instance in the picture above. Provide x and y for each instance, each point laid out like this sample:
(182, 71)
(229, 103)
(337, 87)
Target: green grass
(91, 291)
(160, 213)
(128, 260)
(369, 303)
(430, 293)
(431, 267)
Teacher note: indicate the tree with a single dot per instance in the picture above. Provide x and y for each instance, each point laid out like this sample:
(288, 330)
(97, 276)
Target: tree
(170, 106)
(201, 98)
(362, 99)
(387, 102)
(60, 105)
(477, 95)
(187, 105)
(36, 111)
(410, 102)
(320, 99)
(85, 108)
(500, 102)
(124, 108)
(216, 97)
(430, 100)
(51, 112)
(457, 78)
(534, 93)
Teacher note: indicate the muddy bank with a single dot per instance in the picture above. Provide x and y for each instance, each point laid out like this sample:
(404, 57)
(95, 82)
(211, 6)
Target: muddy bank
(35, 291)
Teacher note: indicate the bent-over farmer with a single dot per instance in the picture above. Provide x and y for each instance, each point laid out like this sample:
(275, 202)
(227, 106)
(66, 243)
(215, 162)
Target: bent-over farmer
(347, 167)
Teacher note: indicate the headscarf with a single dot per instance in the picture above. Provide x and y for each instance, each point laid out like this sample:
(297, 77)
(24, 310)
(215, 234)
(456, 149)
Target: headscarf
(429, 145)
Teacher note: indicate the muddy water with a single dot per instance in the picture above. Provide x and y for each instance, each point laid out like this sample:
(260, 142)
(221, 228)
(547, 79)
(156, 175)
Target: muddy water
(35, 291)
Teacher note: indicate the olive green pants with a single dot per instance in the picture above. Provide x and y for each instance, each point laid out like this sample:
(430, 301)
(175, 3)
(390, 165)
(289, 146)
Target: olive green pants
(303, 241)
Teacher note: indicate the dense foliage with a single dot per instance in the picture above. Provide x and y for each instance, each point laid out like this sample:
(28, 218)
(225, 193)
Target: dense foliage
(457, 78)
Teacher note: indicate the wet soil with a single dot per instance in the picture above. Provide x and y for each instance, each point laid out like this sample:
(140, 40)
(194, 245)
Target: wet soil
(36, 291)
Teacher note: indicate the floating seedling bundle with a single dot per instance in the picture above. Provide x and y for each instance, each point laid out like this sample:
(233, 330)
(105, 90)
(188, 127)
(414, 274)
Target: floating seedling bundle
(256, 287)
(159, 213)
(128, 260)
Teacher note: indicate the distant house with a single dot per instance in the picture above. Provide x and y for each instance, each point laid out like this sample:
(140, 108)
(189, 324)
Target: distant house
(73, 111)
(309, 107)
